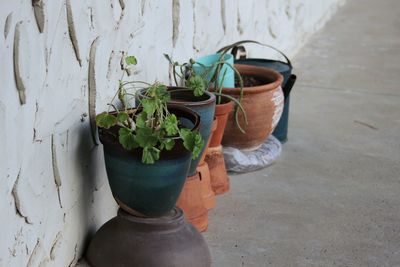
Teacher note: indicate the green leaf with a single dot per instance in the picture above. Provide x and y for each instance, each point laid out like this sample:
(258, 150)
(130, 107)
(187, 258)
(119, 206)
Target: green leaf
(141, 119)
(192, 141)
(105, 120)
(150, 155)
(145, 137)
(171, 124)
(158, 91)
(127, 139)
(197, 84)
(149, 106)
(168, 144)
(122, 117)
(130, 60)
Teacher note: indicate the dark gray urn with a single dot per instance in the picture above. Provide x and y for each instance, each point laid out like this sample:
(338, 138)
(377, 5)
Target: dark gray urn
(165, 241)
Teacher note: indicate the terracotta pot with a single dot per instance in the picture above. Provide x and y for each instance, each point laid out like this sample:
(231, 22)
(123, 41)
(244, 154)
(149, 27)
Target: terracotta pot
(214, 158)
(191, 202)
(206, 190)
(204, 173)
(218, 175)
(152, 242)
(263, 105)
(221, 113)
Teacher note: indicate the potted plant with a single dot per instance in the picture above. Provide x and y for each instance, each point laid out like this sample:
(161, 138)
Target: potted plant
(285, 68)
(193, 80)
(148, 149)
(259, 92)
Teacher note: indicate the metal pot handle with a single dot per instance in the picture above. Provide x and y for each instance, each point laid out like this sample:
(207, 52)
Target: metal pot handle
(235, 47)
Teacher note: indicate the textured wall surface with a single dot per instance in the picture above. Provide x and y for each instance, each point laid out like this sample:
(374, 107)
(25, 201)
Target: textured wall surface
(60, 63)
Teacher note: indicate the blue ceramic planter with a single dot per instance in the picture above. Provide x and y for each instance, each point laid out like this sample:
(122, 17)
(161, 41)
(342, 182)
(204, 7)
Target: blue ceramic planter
(206, 69)
(204, 106)
(148, 189)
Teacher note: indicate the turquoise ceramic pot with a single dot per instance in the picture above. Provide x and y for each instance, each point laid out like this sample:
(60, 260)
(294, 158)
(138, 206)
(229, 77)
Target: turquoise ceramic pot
(206, 68)
(148, 189)
(204, 106)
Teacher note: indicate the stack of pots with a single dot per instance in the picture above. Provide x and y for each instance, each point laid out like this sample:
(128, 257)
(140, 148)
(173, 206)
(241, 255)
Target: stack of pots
(148, 223)
(214, 155)
(192, 199)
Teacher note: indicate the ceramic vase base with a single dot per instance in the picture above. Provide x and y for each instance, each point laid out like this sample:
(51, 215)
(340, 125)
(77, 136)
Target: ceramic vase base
(206, 190)
(191, 202)
(166, 241)
(219, 178)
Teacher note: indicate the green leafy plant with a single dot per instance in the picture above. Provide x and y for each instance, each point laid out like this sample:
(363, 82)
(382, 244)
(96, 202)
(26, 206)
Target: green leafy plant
(150, 126)
(199, 83)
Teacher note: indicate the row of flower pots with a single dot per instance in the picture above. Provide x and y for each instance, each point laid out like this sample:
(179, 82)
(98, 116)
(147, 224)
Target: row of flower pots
(167, 150)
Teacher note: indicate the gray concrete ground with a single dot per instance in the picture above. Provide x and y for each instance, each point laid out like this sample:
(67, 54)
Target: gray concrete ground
(333, 197)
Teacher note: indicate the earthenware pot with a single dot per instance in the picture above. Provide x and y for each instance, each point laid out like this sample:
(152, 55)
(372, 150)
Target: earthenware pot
(214, 157)
(204, 174)
(148, 189)
(191, 202)
(283, 67)
(263, 102)
(152, 242)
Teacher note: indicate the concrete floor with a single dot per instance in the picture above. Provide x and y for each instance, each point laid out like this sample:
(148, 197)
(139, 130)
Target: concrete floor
(333, 197)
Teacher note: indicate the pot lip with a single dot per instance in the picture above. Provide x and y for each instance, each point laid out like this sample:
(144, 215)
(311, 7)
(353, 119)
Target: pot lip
(115, 147)
(211, 97)
(282, 63)
(260, 71)
(223, 108)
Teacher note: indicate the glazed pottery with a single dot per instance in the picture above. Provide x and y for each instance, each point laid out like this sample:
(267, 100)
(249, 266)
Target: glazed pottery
(191, 202)
(167, 241)
(148, 189)
(203, 105)
(263, 104)
(205, 68)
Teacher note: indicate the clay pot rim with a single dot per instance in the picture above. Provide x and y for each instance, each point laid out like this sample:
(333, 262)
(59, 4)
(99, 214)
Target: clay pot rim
(256, 71)
(223, 108)
(112, 145)
(197, 100)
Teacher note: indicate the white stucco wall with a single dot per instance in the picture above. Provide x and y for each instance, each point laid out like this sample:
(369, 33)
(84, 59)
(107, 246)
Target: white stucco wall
(59, 64)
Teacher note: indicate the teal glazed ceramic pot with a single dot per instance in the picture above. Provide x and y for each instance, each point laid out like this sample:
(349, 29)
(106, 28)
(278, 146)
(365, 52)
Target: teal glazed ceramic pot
(206, 67)
(204, 106)
(149, 190)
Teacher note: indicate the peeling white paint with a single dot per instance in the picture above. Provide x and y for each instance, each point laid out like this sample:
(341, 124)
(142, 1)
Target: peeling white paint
(39, 10)
(7, 25)
(54, 191)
